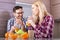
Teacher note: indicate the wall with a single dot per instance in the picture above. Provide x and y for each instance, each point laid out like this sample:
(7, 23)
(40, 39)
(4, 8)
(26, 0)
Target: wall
(5, 13)
(55, 11)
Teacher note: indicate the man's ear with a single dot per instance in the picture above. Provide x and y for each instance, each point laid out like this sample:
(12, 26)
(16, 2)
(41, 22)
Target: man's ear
(14, 14)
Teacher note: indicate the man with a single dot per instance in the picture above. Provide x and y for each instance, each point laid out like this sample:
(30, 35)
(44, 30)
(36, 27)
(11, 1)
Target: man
(18, 21)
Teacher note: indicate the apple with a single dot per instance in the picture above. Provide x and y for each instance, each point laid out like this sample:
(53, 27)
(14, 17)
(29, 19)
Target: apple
(20, 31)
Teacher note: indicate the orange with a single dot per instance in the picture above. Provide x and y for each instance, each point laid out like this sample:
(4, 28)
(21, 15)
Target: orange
(25, 35)
(28, 24)
(10, 34)
(13, 36)
(18, 35)
(7, 35)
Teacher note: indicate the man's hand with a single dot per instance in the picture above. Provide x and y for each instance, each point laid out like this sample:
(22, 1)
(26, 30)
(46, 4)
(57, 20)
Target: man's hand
(13, 28)
(19, 21)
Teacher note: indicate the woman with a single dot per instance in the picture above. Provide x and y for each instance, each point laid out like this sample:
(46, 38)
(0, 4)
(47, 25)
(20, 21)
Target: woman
(41, 21)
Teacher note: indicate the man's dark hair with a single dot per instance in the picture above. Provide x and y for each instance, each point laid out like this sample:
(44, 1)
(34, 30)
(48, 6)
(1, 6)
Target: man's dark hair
(17, 7)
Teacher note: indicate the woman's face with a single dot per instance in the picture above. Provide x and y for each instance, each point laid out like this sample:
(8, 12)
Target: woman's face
(35, 10)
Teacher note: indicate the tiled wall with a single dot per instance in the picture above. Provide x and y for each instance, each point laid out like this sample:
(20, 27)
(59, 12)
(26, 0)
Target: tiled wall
(5, 11)
(55, 8)
(47, 4)
(55, 11)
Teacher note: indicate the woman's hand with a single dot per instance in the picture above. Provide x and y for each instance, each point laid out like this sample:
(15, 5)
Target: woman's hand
(30, 20)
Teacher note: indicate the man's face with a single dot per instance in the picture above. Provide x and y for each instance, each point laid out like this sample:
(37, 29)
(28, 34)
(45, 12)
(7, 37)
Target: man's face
(18, 13)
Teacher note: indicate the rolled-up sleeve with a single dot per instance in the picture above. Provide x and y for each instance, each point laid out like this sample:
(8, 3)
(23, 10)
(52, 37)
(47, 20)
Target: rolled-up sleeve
(8, 25)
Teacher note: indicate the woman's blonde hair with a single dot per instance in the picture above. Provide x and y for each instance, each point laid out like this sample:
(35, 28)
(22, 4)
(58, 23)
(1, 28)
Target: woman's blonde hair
(42, 9)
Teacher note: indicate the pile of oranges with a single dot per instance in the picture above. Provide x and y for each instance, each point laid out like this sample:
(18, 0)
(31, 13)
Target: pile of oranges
(14, 36)
(10, 35)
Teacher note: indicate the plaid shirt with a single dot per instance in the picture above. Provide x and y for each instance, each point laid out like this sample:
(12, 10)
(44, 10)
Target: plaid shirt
(45, 29)
(11, 23)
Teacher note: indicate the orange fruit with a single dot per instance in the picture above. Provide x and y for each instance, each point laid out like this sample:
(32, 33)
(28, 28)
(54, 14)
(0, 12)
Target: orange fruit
(28, 24)
(25, 35)
(7, 35)
(18, 35)
(13, 36)
(10, 34)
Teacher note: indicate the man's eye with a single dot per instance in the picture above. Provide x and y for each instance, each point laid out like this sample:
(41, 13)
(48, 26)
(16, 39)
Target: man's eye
(19, 13)
(22, 12)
